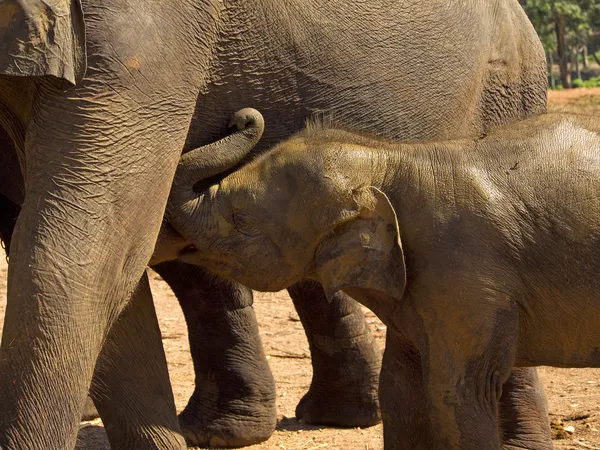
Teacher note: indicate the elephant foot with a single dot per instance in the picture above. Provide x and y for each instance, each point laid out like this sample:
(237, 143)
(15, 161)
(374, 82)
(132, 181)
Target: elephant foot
(345, 359)
(345, 395)
(232, 423)
(339, 409)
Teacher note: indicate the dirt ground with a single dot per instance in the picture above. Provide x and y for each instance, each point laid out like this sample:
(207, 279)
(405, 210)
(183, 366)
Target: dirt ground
(581, 101)
(573, 394)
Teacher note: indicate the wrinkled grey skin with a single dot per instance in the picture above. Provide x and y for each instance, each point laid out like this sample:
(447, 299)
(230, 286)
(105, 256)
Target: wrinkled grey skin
(471, 251)
(522, 410)
(98, 160)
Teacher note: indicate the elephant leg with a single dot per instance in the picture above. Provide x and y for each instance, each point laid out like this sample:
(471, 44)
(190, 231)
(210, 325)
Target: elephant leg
(345, 360)
(233, 403)
(434, 398)
(12, 185)
(69, 276)
(9, 212)
(522, 406)
(83, 237)
(143, 418)
(59, 307)
(464, 348)
(402, 397)
(523, 411)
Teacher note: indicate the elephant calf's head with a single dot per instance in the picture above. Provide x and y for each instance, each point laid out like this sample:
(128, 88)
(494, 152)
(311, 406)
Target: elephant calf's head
(291, 213)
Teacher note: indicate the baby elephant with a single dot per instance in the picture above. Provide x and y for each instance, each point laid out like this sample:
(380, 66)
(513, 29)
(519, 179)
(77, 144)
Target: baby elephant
(478, 254)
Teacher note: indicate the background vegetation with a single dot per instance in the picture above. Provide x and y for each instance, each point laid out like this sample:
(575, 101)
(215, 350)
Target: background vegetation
(570, 32)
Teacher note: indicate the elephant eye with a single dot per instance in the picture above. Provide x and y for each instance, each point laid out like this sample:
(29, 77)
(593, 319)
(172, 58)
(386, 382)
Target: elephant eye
(245, 223)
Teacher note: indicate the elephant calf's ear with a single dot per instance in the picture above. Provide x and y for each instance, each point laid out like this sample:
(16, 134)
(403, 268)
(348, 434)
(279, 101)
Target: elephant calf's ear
(365, 253)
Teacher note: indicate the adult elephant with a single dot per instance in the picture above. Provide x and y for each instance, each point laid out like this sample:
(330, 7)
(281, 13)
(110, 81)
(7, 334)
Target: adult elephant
(99, 149)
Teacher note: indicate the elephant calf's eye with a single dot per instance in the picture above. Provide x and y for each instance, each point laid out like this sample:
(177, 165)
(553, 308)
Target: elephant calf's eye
(245, 223)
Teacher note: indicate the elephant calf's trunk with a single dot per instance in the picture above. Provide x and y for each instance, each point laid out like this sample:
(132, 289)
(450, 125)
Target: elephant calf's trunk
(207, 161)
(212, 159)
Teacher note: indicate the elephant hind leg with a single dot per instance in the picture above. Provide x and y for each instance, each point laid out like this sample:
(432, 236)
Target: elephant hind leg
(346, 362)
(233, 403)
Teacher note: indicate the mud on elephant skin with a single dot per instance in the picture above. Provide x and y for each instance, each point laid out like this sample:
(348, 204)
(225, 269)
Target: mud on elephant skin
(463, 248)
(133, 84)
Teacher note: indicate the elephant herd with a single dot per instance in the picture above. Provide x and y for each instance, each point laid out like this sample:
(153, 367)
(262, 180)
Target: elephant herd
(457, 210)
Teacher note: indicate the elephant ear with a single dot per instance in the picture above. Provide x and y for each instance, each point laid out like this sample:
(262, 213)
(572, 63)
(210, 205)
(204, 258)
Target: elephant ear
(42, 37)
(363, 256)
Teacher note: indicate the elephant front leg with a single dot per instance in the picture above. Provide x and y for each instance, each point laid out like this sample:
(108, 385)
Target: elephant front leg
(71, 271)
(402, 397)
(131, 386)
(84, 235)
(58, 311)
(233, 403)
(430, 407)
(345, 360)
(9, 212)
(442, 381)
(524, 420)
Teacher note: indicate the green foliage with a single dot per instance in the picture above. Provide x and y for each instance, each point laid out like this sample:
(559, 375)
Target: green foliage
(577, 83)
(581, 20)
(591, 83)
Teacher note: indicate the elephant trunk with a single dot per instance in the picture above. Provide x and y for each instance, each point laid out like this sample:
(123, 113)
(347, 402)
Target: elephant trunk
(184, 210)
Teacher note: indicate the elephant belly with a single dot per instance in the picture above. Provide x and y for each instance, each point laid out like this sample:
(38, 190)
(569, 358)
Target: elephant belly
(303, 68)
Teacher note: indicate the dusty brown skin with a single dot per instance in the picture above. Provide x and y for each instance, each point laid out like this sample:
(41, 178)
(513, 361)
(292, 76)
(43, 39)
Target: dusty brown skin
(474, 252)
(100, 99)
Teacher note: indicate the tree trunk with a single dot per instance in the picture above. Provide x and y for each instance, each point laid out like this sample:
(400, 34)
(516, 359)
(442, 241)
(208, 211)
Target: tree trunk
(596, 58)
(551, 70)
(563, 51)
(584, 55)
(575, 58)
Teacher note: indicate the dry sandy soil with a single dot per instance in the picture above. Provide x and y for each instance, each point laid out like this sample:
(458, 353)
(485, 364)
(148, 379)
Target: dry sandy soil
(573, 394)
(581, 101)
